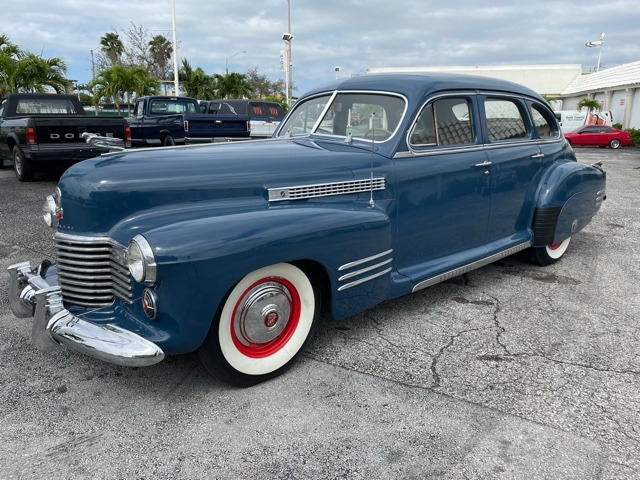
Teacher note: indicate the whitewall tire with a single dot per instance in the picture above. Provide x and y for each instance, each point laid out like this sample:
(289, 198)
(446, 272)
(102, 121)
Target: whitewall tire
(263, 325)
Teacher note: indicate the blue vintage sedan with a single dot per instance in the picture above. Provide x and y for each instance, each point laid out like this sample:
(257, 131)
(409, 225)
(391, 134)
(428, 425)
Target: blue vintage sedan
(373, 187)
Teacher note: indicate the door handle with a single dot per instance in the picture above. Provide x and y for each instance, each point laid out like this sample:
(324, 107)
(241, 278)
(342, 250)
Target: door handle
(537, 155)
(483, 164)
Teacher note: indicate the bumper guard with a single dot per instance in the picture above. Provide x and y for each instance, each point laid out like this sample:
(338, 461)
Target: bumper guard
(53, 325)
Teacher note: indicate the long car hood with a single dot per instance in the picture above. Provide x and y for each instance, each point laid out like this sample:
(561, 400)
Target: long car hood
(99, 193)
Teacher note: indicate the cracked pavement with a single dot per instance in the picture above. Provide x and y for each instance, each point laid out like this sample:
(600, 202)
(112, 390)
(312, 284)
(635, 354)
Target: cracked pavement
(511, 371)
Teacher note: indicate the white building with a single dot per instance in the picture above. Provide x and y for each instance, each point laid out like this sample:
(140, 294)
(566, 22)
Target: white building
(615, 87)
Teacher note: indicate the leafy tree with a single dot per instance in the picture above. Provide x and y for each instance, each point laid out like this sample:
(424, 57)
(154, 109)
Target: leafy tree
(113, 47)
(263, 88)
(591, 104)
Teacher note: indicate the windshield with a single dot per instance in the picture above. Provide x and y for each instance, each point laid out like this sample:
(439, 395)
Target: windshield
(370, 116)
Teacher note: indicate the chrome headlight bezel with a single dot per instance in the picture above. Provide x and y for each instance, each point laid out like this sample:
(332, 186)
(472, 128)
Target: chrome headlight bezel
(52, 209)
(140, 260)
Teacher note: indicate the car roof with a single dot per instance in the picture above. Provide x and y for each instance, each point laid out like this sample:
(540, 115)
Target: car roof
(412, 84)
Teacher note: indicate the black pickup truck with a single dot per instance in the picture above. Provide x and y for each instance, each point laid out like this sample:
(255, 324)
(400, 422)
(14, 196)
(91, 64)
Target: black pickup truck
(166, 121)
(37, 127)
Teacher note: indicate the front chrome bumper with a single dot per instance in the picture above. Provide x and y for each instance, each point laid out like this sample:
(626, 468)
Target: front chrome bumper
(30, 295)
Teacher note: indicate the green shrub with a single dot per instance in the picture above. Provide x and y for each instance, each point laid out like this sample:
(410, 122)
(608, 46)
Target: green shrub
(617, 125)
(635, 136)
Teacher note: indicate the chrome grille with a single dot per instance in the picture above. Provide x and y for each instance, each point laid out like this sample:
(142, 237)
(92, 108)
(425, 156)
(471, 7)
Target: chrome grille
(92, 271)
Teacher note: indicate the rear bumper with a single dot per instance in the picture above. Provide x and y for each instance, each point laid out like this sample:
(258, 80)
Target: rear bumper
(52, 153)
(30, 295)
(200, 140)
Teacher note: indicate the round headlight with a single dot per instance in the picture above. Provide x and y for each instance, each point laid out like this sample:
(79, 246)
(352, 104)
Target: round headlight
(140, 260)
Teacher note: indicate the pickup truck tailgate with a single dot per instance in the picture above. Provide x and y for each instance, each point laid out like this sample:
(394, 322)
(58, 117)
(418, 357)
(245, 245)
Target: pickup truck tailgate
(209, 126)
(61, 130)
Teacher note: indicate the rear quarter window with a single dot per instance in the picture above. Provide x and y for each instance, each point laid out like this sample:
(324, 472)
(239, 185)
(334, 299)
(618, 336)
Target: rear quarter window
(544, 125)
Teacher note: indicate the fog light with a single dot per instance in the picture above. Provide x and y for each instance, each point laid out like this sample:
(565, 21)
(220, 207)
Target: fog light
(51, 210)
(149, 303)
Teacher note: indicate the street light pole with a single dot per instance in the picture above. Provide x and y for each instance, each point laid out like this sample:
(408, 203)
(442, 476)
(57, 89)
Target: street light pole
(176, 83)
(226, 62)
(597, 43)
(289, 62)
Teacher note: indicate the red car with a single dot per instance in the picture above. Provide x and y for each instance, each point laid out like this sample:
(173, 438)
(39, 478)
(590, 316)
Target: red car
(600, 136)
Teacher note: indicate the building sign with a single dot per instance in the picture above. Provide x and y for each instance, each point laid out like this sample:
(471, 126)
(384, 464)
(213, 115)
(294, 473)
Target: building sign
(622, 102)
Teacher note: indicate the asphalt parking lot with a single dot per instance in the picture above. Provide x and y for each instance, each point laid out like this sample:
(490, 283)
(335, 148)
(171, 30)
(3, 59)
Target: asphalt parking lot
(509, 372)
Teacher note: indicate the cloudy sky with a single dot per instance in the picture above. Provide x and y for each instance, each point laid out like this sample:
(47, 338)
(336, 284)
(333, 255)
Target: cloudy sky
(352, 34)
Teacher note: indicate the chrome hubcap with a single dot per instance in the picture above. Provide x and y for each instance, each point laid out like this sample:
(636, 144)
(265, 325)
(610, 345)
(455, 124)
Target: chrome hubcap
(262, 314)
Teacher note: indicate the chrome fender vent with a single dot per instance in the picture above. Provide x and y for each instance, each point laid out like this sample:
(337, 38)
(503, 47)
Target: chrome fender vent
(301, 192)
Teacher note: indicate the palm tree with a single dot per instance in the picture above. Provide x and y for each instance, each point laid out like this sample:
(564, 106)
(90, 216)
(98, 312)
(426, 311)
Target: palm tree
(120, 83)
(233, 85)
(160, 50)
(105, 88)
(26, 72)
(113, 47)
(196, 83)
(591, 104)
(8, 48)
(41, 72)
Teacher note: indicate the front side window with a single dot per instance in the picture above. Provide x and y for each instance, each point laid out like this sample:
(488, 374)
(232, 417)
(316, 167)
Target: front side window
(370, 116)
(504, 120)
(446, 121)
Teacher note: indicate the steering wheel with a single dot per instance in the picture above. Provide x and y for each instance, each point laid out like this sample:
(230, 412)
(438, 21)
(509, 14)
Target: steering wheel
(373, 132)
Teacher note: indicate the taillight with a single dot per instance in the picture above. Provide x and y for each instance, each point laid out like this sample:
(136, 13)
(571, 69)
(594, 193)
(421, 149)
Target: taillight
(127, 133)
(31, 136)
(186, 126)
(249, 126)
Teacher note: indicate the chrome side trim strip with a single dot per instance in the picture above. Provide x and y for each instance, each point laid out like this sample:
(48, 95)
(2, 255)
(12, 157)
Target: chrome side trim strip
(362, 280)
(302, 192)
(364, 260)
(456, 272)
(439, 150)
(365, 269)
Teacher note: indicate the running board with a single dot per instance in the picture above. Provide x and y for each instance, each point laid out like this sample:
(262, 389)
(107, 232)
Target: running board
(456, 272)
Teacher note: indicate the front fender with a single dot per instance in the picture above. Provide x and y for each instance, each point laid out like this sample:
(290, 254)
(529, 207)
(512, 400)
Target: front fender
(199, 260)
(570, 195)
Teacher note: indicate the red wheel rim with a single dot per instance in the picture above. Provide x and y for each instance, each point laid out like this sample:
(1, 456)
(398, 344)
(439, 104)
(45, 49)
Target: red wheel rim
(254, 349)
(555, 246)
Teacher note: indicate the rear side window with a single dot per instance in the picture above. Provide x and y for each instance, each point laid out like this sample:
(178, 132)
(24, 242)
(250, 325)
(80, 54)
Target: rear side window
(543, 124)
(504, 120)
(171, 106)
(232, 108)
(275, 110)
(444, 122)
(257, 109)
